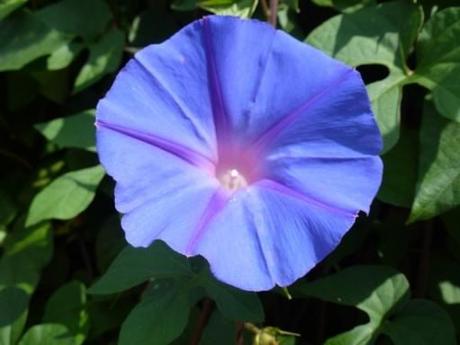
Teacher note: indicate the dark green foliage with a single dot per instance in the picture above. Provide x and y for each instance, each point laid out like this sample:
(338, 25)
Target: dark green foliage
(67, 276)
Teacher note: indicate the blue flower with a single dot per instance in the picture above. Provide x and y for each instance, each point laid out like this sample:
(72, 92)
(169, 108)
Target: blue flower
(234, 141)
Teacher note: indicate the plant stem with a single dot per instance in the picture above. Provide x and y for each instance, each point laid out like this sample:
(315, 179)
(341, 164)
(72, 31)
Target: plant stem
(273, 12)
(424, 263)
(203, 318)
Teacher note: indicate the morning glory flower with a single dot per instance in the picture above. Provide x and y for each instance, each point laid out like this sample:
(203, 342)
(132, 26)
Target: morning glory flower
(234, 141)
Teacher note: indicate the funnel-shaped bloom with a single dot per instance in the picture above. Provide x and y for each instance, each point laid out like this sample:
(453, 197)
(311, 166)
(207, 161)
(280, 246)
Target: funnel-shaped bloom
(234, 141)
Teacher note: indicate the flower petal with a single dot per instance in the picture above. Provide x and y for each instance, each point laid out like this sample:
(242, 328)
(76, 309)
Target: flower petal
(343, 183)
(337, 122)
(266, 237)
(281, 74)
(162, 92)
(153, 186)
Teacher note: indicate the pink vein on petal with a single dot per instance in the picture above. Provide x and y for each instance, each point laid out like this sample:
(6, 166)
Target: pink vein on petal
(276, 129)
(166, 145)
(216, 203)
(281, 188)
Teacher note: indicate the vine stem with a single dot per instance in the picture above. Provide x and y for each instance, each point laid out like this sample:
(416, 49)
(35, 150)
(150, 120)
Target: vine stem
(203, 318)
(424, 261)
(273, 13)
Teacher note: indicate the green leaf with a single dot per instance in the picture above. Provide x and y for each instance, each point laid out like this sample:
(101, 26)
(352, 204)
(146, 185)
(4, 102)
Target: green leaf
(47, 334)
(346, 6)
(421, 322)
(8, 210)
(159, 318)
(438, 183)
(25, 38)
(86, 18)
(383, 35)
(110, 241)
(13, 303)
(8, 6)
(64, 55)
(438, 53)
(233, 303)
(67, 196)
(376, 290)
(218, 331)
(134, 266)
(27, 251)
(104, 57)
(240, 8)
(183, 5)
(400, 171)
(75, 131)
(67, 306)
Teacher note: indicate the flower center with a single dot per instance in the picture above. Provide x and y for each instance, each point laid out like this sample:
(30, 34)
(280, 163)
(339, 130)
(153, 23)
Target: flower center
(233, 180)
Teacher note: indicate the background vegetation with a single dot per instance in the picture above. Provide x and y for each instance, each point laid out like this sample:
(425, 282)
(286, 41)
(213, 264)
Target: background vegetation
(66, 274)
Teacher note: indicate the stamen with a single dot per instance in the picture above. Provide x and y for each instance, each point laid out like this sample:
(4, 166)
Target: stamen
(233, 180)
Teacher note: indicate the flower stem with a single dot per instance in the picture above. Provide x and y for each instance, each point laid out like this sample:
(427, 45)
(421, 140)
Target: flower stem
(203, 318)
(273, 12)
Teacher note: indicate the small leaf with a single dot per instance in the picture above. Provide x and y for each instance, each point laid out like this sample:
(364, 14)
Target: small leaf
(134, 266)
(438, 183)
(158, 319)
(438, 53)
(25, 38)
(75, 131)
(67, 196)
(104, 57)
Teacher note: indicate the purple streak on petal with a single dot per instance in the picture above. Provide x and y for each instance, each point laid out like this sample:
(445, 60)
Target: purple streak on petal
(176, 149)
(285, 190)
(215, 205)
(217, 100)
(187, 114)
(276, 129)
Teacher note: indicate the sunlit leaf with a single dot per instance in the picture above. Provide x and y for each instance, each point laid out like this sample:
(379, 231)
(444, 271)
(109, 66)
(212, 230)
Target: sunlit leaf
(67, 196)
(104, 57)
(75, 131)
(25, 38)
(438, 183)
(8, 6)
